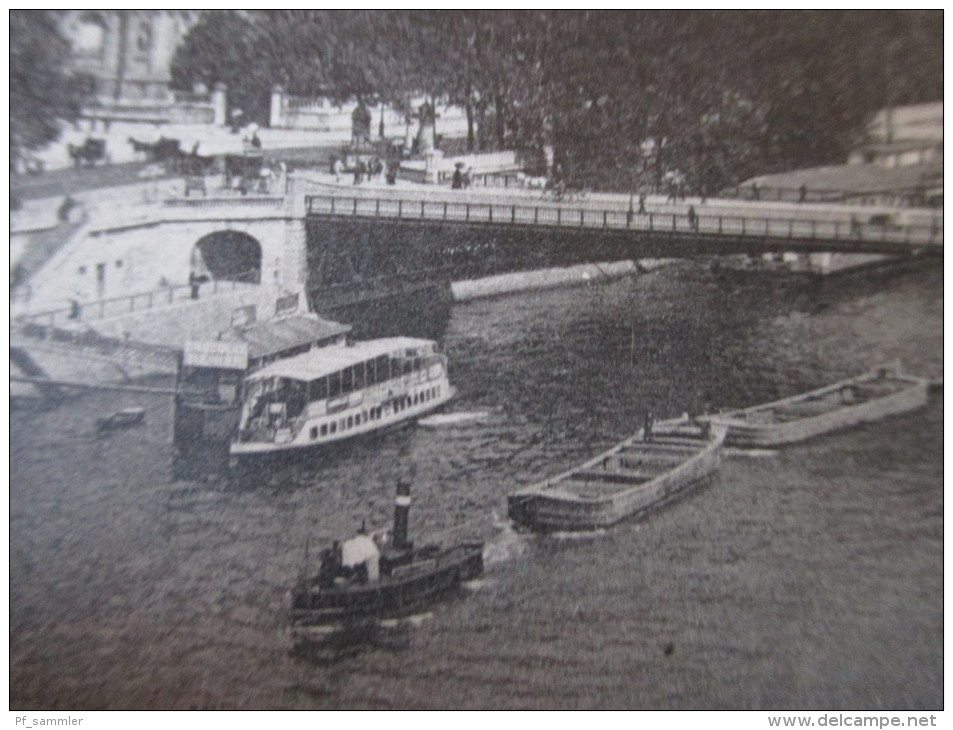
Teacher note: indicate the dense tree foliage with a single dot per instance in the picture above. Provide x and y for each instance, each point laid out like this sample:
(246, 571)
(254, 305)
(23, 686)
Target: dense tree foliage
(622, 97)
(42, 95)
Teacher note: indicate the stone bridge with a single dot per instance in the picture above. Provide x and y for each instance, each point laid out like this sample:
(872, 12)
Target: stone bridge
(350, 245)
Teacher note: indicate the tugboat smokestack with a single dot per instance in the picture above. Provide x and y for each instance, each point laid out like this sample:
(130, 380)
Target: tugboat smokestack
(401, 513)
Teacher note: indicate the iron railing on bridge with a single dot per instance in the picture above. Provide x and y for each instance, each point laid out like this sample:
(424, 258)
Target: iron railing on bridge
(117, 306)
(589, 217)
(806, 194)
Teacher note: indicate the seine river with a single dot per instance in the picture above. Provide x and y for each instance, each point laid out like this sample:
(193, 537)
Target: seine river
(812, 579)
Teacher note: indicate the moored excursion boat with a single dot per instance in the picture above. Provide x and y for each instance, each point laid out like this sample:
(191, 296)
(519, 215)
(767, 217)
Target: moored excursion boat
(880, 393)
(643, 472)
(329, 394)
(374, 578)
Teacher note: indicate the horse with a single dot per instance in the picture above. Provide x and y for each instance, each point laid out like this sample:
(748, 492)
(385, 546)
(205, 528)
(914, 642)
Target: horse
(89, 153)
(166, 150)
(143, 148)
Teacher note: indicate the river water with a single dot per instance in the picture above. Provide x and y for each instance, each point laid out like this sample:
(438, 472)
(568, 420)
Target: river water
(811, 579)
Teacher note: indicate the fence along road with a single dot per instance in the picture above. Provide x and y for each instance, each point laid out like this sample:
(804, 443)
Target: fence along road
(765, 232)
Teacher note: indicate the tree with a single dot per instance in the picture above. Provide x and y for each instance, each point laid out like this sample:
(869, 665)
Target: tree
(228, 47)
(622, 97)
(43, 96)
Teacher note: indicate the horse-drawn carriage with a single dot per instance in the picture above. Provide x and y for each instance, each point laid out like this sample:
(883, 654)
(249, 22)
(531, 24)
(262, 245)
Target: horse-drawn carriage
(245, 171)
(89, 153)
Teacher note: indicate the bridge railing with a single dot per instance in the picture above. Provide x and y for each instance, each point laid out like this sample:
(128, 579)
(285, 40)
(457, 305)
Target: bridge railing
(790, 194)
(117, 306)
(226, 202)
(589, 217)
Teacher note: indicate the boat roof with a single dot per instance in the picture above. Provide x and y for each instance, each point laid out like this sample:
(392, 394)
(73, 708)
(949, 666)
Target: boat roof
(317, 363)
(276, 335)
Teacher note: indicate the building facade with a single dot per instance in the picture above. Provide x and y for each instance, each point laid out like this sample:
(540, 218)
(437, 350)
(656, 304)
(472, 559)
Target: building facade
(903, 136)
(127, 53)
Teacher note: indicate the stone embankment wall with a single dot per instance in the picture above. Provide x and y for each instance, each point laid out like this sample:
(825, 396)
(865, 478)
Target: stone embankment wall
(543, 279)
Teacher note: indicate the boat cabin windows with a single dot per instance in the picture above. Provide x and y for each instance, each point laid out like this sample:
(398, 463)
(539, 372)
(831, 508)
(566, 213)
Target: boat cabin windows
(318, 389)
(365, 374)
(334, 385)
(265, 397)
(382, 369)
(347, 380)
(296, 394)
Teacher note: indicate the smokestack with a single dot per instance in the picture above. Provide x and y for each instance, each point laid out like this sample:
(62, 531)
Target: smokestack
(401, 512)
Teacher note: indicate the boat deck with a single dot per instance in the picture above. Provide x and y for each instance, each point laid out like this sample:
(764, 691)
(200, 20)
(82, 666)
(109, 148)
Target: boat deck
(631, 464)
(844, 396)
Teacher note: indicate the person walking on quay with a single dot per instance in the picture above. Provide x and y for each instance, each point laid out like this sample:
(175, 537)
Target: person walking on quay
(457, 183)
(692, 217)
(642, 210)
(802, 194)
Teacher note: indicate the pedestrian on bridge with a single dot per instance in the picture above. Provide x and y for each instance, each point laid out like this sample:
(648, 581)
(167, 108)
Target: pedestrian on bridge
(692, 217)
(642, 210)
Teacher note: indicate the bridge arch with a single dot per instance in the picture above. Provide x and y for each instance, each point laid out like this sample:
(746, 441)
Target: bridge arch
(227, 256)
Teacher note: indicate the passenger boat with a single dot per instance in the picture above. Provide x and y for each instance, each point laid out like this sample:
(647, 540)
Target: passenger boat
(329, 394)
(643, 472)
(883, 392)
(368, 579)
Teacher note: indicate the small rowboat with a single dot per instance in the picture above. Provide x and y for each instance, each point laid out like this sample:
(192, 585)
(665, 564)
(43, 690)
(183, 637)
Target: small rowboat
(883, 392)
(122, 419)
(627, 480)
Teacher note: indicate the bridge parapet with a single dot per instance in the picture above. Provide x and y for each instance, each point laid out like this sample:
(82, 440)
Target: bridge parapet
(229, 202)
(853, 235)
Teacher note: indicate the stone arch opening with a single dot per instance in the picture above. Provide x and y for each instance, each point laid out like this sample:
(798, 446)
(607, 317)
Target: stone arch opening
(227, 256)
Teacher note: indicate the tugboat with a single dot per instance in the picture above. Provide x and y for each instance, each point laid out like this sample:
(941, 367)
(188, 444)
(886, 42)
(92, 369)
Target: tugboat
(367, 579)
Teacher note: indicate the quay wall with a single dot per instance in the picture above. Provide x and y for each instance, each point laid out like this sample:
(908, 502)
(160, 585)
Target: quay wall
(187, 319)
